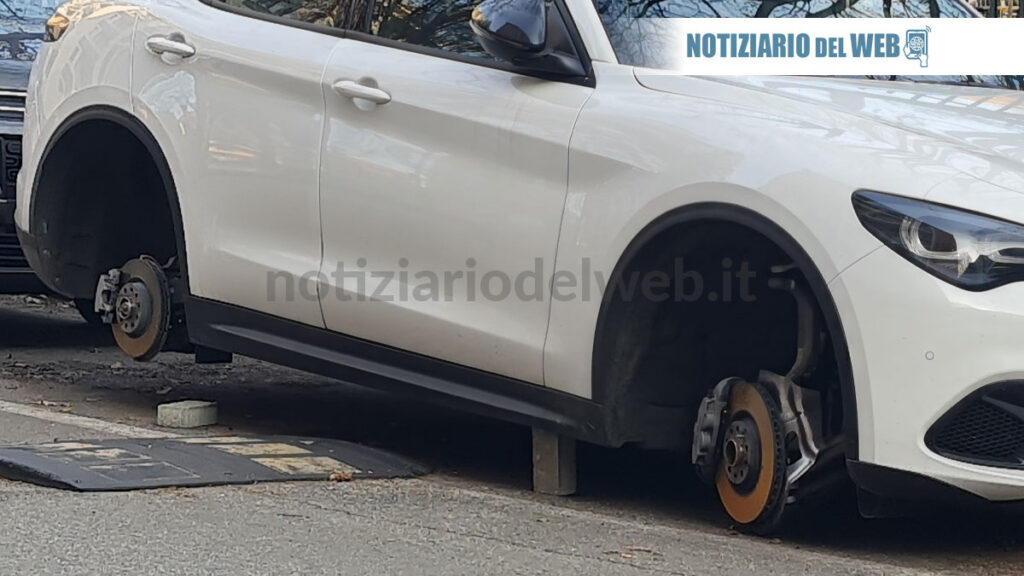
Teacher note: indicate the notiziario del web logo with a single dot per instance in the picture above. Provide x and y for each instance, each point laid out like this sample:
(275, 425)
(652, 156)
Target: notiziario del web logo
(802, 45)
(838, 46)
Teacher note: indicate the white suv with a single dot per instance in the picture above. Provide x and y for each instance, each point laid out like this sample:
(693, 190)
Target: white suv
(507, 208)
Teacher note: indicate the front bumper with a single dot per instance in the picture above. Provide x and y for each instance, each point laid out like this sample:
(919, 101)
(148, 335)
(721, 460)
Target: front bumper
(21, 282)
(16, 275)
(920, 347)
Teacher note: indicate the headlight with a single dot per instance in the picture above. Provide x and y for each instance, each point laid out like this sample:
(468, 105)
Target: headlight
(56, 25)
(968, 250)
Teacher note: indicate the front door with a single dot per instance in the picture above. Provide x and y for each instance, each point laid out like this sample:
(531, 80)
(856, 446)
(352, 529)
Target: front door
(442, 189)
(238, 102)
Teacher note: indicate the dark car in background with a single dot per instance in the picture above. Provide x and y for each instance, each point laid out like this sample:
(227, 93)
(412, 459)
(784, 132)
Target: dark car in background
(22, 24)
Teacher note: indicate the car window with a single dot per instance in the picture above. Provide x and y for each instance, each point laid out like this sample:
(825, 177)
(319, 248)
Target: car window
(325, 13)
(440, 24)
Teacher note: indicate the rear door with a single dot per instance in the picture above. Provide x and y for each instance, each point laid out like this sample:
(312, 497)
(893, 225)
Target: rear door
(441, 207)
(233, 90)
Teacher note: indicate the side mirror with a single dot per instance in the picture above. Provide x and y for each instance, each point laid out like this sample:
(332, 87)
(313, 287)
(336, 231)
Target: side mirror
(517, 31)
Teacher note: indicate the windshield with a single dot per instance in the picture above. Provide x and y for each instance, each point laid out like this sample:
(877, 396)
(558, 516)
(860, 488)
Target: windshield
(634, 38)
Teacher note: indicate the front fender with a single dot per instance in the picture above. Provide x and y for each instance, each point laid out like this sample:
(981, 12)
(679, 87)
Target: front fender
(87, 67)
(639, 158)
(638, 154)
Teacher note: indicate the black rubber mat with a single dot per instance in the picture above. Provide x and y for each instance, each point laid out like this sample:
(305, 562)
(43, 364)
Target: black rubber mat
(141, 463)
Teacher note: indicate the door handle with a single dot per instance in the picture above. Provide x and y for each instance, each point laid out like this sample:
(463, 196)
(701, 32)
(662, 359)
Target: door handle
(355, 90)
(174, 44)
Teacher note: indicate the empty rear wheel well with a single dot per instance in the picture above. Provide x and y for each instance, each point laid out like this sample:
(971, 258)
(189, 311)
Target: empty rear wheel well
(103, 195)
(717, 318)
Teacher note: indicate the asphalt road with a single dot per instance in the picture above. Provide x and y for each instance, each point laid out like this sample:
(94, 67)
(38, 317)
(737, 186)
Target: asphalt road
(636, 513)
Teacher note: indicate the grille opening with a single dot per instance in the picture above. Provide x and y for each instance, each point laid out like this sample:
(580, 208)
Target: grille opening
(981, 431)
(10, 165)
(11, 256)
(12, 106)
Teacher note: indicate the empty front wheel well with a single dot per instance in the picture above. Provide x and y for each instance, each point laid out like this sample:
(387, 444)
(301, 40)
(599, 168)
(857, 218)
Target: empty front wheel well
(103, 195)
(716, 317)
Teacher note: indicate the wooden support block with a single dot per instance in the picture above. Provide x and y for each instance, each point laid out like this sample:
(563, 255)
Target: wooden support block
(554, 463)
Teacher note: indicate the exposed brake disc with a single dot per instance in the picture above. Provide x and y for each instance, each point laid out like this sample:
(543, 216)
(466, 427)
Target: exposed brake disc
(137, 303)
(751, 477)
(755, 441)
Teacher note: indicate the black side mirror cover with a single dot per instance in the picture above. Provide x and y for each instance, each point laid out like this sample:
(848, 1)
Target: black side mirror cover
(518, 26)
(530, 34)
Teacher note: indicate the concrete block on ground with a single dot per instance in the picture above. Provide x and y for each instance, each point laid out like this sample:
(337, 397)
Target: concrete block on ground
(554, 463)
(186, 414)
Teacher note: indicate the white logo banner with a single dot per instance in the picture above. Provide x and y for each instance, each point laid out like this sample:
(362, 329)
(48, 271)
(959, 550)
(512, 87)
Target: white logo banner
(839, 46)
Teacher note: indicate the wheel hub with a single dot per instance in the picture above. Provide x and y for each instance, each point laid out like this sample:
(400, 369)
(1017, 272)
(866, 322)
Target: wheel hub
(741, 453)
(134, 309)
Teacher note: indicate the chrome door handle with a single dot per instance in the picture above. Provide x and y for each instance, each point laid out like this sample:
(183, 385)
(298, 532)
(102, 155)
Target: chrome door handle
(174, 44)
(354, 90)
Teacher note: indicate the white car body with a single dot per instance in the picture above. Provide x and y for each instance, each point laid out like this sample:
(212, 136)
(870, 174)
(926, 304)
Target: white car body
(279, 176)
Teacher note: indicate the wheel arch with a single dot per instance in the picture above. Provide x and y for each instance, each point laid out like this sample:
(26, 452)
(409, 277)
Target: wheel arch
(127, 121)
(610, 393)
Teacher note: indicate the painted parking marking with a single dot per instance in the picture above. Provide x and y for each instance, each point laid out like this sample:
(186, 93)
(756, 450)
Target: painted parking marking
(219, 440)
(261, 449)
(64, 446)
(311, 465)
(100, 455)
(143, 471)
(94, 424)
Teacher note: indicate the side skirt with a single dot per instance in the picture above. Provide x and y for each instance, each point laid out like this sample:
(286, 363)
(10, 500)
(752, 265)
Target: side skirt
(257, 335)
